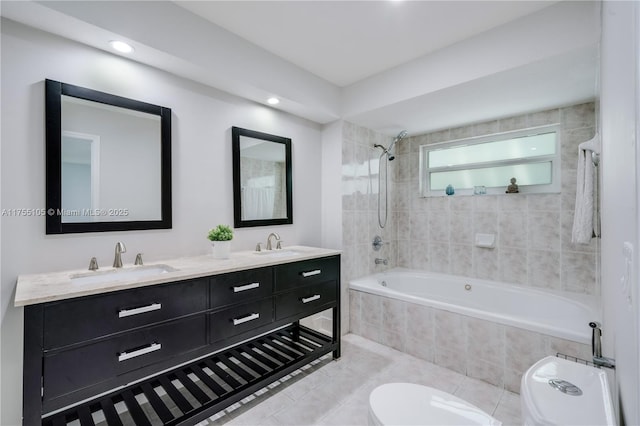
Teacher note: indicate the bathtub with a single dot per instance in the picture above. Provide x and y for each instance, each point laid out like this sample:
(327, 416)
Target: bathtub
(558, 314)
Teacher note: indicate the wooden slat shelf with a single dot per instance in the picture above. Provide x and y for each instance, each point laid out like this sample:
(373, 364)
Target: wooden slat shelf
(200, 389)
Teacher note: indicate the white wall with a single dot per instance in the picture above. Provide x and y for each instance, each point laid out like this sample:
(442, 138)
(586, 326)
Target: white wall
(331, 184)
(202, 178)
(564, 27)
(332, 225)
(619, 118)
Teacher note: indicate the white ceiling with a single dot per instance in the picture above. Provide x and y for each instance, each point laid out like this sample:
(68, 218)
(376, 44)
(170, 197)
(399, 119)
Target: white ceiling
(346, 41)
(386, 65)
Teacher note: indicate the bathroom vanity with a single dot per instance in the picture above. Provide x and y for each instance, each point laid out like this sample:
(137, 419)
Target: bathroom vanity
(176, 346)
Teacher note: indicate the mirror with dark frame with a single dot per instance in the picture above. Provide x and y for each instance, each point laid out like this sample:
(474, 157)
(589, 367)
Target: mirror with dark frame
(262, 181)
(108, 162)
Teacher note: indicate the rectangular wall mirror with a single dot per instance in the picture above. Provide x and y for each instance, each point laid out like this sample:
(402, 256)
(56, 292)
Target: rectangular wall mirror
(262, 182)
(108, 162)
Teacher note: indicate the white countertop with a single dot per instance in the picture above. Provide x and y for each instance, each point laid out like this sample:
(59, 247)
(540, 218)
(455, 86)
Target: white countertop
(48, 287)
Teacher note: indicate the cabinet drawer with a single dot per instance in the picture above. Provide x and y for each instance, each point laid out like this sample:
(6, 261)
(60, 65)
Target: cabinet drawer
(306, 272)
(240, 318)
(86, 318)
(74, 369)
(239, 287)
(305, 299)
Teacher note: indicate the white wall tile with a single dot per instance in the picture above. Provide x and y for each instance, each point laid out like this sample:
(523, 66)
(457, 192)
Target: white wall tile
(450, 331)
(543, 118)
(578, 271)
(461, 259)
(544, 230)
(543, 269)
(512, 229)
(486, 263)
(439, 257)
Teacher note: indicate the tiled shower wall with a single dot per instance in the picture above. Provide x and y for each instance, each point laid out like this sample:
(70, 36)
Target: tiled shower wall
(360, 162)
(533, 245)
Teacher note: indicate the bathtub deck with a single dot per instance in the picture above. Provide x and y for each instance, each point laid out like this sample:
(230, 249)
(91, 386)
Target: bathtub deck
(336, 393)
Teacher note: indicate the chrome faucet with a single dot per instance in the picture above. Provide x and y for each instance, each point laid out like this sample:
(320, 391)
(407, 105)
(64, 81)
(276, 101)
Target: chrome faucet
(596, 348)
(120, 248)
(379, 261)
(277, 237)
(93, 264)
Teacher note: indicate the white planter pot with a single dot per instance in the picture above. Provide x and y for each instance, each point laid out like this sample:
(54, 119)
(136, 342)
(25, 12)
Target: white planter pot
(221, 249)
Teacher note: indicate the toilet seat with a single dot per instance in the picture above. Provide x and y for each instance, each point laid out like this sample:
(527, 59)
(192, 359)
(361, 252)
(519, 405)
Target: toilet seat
(412, 404)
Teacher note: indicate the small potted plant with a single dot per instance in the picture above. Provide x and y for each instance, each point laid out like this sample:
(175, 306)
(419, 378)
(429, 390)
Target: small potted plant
(220, 238)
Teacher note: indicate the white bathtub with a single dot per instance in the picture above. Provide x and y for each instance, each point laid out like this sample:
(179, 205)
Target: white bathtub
(558, 314)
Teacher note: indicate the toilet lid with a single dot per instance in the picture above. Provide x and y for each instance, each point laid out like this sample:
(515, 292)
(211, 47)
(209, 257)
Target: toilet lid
(411, 404)
(544, 404)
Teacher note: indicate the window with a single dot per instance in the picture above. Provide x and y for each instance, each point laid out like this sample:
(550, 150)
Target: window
(532, 156)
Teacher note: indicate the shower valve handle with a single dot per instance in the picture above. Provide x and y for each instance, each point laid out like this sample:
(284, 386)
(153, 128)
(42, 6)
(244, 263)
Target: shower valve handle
(377, 243)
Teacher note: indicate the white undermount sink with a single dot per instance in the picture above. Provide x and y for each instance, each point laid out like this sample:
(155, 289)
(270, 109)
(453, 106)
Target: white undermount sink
(123, 274)
(277, 253)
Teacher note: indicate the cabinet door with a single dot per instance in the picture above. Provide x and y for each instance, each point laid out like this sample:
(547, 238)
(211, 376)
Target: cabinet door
(70, 370)
(240, 287)
(306, 272)
(78, 320)
(240, 319)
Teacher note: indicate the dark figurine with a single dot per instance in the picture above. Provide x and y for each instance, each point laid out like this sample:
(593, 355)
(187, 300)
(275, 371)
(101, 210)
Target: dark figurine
(513, 188)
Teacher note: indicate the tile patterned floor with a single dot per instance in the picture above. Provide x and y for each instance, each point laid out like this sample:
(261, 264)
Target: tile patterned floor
(331, 392)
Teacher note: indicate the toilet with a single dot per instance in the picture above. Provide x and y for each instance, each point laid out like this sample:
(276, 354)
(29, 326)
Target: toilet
(412, 404)
(556, 391)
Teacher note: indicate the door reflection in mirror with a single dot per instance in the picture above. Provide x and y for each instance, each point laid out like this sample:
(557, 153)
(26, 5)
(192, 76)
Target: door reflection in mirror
(80, 175)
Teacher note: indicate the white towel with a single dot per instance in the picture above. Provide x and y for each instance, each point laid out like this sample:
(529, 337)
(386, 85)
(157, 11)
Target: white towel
(585, 220)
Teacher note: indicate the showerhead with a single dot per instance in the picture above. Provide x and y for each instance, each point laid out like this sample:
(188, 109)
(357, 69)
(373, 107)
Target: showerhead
(397, 139)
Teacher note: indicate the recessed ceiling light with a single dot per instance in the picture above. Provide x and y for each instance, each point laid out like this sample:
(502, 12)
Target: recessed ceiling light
(273, 101)
(121, 46)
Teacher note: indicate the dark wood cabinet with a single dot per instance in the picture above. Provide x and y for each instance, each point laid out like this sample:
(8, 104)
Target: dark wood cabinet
(240, 318)
(305, 300)
(86, 318)
(238, 287)
(294, 275)
(92, 353)
(70, 370)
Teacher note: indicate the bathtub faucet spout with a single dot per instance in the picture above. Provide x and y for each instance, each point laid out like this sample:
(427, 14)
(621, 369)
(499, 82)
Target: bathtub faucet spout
(383, 261)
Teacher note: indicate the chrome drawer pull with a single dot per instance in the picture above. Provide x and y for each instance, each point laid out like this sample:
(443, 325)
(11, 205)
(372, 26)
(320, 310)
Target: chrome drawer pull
(238, 321)
(311, 273)
(123, 356)
(141, 310)
(310, 298)
(239, 288)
